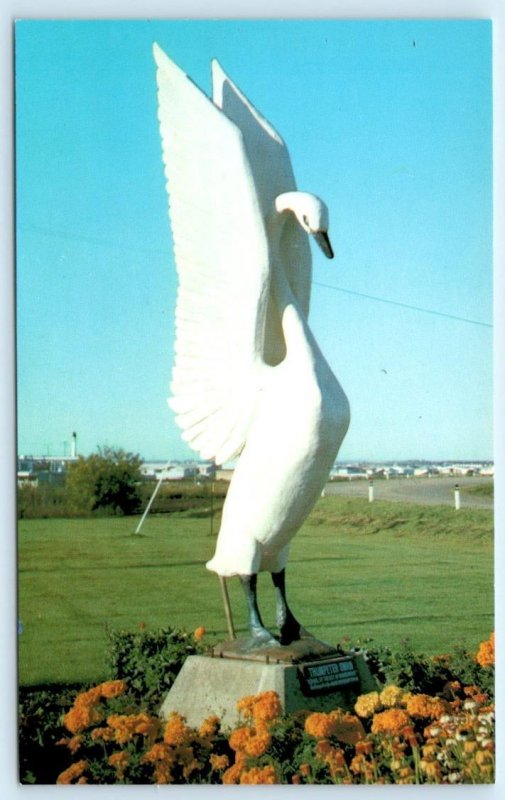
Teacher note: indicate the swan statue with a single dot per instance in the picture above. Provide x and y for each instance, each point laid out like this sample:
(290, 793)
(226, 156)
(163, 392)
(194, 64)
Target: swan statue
(249, 378)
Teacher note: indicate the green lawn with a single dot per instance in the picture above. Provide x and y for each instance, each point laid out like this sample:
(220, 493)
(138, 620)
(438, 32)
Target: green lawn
(386, 571)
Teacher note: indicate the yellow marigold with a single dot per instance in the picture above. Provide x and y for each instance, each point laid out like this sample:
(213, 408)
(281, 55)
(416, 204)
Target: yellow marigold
(391, 696)
(176, 730)
(72, 773)
(367, 704)
(390, 722)
(199, 633)
(431, 769)
(218, 763)
(426, 707)
(112, 688)
(485, 653)
(358, 764)
(320, 725)
(259, 775)
(484, 757)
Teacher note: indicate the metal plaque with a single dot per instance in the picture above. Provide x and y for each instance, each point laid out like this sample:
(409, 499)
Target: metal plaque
(319, 677)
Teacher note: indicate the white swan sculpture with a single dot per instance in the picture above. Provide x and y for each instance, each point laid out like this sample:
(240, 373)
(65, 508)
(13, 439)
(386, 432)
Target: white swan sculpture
(249, 377)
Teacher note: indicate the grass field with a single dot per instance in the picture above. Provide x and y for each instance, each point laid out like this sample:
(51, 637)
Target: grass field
(385, 571)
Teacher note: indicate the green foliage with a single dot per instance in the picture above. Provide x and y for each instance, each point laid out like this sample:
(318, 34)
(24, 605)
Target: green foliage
(196, 498)
(39, 720)
(107, 481)
(150, 661)
(44, 501)
(414, 671)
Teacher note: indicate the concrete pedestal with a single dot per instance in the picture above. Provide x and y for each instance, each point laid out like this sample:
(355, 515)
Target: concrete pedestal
(209, 685)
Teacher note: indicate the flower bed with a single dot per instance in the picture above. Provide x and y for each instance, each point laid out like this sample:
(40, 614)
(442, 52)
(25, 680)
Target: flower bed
(396, 735)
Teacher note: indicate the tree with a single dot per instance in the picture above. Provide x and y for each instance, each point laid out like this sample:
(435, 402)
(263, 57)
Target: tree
(107, 480)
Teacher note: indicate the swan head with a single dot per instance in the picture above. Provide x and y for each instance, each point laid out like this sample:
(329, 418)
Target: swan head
(311, 214)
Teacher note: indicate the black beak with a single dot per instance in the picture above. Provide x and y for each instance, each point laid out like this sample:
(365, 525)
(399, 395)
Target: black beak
(321, 238)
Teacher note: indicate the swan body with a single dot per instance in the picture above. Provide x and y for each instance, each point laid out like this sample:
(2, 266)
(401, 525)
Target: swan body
(249, 377)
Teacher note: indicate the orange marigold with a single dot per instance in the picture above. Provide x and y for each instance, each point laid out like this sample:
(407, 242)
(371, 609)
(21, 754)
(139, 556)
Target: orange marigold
(263, 707)
(176, 730)
(73, 744)
(158, 752)
(72, 773)
(232, 774)
(105, 734)
(267, 707)
(119, 761)
(390, 722)
(258, 744)
(485, 653)
(320, 725)
(112, 688)
(199, 633)
(209, 727)
(426, 707)
(82, 716)
(364, 748)
(125, 727)
(245, 705)
(259, 775)
(239, 738)
(218, 762)
(348, 728)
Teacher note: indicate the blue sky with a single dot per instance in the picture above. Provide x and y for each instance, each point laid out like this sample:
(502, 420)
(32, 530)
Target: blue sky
(389, 122)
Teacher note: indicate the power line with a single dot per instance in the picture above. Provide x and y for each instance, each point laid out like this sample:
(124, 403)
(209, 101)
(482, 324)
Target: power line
(404, 305)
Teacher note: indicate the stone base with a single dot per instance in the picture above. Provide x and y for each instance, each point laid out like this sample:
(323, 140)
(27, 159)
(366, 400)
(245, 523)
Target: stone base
(208, 685)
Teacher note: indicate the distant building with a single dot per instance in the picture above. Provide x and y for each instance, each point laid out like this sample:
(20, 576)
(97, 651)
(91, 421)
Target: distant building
(35, 470)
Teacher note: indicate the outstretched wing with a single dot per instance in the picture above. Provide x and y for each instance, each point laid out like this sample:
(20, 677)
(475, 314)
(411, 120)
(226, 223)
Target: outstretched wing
(221, 254)
(273, 174)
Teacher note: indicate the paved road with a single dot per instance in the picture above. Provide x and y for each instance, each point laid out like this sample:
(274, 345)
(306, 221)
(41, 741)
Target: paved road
(430, 491)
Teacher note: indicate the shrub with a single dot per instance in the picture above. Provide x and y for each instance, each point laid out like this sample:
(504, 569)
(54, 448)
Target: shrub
(417, 672)
(150, 661)
(106, 481)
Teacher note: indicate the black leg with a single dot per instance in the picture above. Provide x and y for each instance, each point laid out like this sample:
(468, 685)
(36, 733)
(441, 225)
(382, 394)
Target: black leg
(289, 627)
(260, 634)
